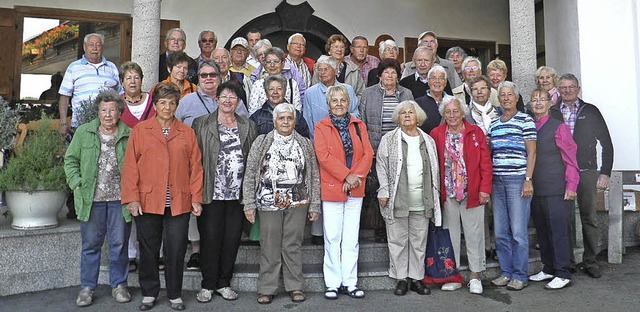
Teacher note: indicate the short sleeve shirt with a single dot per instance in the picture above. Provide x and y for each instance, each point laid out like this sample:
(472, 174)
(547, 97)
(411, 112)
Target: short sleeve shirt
(508, 143)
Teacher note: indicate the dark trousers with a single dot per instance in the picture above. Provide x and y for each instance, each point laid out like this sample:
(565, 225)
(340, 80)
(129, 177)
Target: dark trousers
(220, 227)
(154, 230)
(587, 204)
(551, 215)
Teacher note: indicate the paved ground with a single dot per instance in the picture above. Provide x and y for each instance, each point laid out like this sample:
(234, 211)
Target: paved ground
(617, 290)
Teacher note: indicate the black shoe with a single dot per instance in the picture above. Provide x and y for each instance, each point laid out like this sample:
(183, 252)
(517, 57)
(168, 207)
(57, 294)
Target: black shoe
(593, 271)
(419, 287)
(194, 262)
(317, 240)
(401, 288)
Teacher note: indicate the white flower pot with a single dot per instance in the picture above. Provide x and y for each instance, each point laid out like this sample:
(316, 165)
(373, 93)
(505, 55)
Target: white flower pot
(35, 211)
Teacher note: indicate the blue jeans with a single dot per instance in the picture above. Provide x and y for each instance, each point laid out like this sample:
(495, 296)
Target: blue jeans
(105, 220)
(511, 217)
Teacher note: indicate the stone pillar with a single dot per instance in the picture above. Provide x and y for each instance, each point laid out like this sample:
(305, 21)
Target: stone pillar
(145, 36)
(523, 45)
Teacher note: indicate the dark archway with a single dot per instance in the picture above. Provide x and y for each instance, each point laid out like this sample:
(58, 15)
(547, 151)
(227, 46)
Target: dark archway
(287, 20)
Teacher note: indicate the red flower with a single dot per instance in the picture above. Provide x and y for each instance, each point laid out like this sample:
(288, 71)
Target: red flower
(429, 262)
(449, 265)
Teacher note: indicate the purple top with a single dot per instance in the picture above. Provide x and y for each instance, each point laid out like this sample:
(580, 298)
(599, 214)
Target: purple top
(568, 148)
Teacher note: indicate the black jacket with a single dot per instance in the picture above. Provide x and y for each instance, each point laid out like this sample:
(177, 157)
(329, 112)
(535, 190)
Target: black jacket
(192, 75)
(263, 118)
(589, 128)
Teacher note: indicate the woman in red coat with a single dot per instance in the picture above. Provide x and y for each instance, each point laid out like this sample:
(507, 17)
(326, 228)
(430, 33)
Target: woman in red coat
(465, 185)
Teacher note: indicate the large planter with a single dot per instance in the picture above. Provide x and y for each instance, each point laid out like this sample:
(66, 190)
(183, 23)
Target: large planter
(35, 211)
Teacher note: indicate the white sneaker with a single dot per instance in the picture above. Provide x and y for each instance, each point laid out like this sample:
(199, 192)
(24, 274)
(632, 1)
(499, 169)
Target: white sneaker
(227, 293)
(558, 283)
(475, 286)
(451, 286)
(204, 295)
(541, 276)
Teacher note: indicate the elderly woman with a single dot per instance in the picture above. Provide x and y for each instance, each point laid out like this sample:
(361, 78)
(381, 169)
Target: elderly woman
(555, 181)
(456, 55)
(263, 118)
(138, 103)
(497, 72)
(178, 67)
(387, 49)
(344, 157)
(513, 142)
(283, 187)
(465, 185)
(347, 72)
(162, 186)
(92, 165)
(377, 106)
(547, 79)
(430, 103)
(226, 137)
(288, 69)
(407, 167)
(274, 64)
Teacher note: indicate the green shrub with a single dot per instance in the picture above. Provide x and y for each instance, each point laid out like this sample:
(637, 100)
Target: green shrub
(9, 118)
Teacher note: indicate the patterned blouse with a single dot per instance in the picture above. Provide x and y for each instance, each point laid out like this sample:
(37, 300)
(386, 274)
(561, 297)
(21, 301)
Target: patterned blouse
(451, 179)
(230, 167)
(108, 181)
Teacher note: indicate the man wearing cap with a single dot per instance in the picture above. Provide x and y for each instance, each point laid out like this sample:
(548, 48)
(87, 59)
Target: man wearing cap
(239, 54)
(360, 56)
(253, 36)
(430, 40)
(207, 41)
(176, 41)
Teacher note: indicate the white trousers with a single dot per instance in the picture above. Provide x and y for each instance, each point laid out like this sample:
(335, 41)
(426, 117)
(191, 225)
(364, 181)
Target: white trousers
(472, 219)
(341, 222)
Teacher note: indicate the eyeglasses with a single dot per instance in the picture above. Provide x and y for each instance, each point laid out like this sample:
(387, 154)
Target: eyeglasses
(97, 45)
(337, 47)
(437, 79)
(359, 48)
(565, 88)
(538, 100)
(175, 39)
(298, 44)
(470, 68)
(228, 98)
(428, 43)
(323, 70)
(479, 89)
(273, 62)
(208, 75)
(208, 40)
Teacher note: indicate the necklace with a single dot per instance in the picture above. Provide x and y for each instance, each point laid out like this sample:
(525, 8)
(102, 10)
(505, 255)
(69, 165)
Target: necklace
(130, 100)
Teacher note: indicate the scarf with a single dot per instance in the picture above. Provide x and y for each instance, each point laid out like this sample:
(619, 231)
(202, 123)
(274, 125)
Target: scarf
(483, 115)
(342, 124)
(458, 168)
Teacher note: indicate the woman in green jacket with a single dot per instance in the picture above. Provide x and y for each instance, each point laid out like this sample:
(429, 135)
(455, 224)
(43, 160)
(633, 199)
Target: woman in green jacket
(93, 163)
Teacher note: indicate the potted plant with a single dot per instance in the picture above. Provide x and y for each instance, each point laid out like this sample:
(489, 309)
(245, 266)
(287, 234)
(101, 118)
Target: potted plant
(9, 118)
(34, 179)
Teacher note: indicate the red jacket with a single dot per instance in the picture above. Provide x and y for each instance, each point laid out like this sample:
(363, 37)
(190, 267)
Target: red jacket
(476, 158)
(332, 161)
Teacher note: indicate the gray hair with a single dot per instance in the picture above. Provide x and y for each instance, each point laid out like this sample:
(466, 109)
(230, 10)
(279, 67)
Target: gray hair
(100, 36)
(213, 65)
(296, 35)
(450, 99)
(109, 96)
(172, 30)
(260, 44)
(329, 60)
(206, 31)
(570, 76)
(275, 51)
(511, 85)
(437, 69)
(471, 59)
(279, 78)
(422, 49)
(421, 116)
(337, 89)
(457, 50)
(284, 108)
(387, 43)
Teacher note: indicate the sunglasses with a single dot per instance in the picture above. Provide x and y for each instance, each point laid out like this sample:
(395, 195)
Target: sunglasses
(210, 75)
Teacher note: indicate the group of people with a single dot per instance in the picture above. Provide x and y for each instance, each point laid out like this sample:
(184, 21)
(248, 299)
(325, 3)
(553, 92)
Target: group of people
(276, 139)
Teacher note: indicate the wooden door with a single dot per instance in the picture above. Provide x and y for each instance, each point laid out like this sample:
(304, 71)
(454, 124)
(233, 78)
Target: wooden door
(9, 85)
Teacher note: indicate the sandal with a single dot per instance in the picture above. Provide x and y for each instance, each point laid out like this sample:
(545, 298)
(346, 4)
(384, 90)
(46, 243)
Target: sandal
(297, 296)
(331, 294)
(356, 293)
(265, 299)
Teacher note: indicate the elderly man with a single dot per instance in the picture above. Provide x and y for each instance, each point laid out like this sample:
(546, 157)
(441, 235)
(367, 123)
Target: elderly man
(316, 108)
(253, 36)
(418, 83)
(222, 58)
(239, 54)
(360, 56)
(85, 79)
(176, 41)
(587, 126)
(430, 40)
(207, 41)
(456, 55)
(296, 46)
(471, 68)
